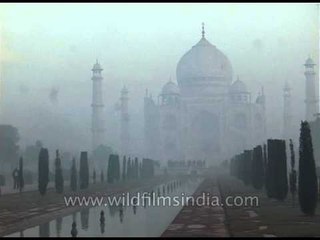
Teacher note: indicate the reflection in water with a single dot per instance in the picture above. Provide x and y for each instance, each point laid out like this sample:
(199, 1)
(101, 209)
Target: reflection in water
(102, 218)
(121, 215)
(134, 205)
(112, 210)
(84, 217)
(140, 221)
(44, 230)
(134, 210)
(74, 231)
(58, 226)
(102, 226)
(121, 212)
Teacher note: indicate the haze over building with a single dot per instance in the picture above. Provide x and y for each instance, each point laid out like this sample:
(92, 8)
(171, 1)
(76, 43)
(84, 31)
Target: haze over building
(209, 115)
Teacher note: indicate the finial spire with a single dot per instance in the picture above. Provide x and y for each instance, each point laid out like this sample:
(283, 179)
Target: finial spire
(203, 32)
(97, 60)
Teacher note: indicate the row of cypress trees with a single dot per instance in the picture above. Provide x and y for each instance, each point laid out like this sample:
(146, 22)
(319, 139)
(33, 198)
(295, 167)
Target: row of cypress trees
(267, 168)
(43, 172)
(130, 170)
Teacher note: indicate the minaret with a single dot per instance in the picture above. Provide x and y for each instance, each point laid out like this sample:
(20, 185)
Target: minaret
(203, 32)
(311, 90)
(287, 115)
(98, 129)
(124, 131)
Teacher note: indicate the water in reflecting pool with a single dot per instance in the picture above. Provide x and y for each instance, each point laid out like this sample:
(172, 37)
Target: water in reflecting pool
(139, 221)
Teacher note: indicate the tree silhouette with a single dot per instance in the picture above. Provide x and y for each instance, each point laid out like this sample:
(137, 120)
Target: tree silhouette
(84, 170)
(94, 176)
(293, 173)
(43, 170)
(102, 176)
(58, 174)
(74, 176)
(308, 185)
(124, 167)
(257, 168)
(21, 178)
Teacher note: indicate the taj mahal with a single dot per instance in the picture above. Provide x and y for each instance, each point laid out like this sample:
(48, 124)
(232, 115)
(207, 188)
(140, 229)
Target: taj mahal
(207, 115)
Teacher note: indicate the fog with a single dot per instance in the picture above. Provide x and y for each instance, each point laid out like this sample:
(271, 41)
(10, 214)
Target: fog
(48, 50)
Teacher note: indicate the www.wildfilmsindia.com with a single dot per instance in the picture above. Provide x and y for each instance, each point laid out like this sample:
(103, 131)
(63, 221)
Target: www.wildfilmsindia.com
(147, 199)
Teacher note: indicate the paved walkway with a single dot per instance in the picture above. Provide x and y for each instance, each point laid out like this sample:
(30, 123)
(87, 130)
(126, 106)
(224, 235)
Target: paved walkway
(8, 189)
(200, 221)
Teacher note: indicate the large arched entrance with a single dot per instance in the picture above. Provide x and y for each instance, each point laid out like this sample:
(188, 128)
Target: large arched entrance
(205, 136)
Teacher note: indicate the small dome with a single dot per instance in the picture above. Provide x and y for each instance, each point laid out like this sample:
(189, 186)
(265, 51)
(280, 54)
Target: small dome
(309, 62)
(238, 87)
(97, 67)
(170, 88)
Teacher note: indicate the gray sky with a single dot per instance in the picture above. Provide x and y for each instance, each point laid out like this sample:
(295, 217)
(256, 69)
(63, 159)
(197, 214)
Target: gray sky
(45, 46)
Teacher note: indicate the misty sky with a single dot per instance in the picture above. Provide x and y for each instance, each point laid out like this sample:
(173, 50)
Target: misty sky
(53, 46)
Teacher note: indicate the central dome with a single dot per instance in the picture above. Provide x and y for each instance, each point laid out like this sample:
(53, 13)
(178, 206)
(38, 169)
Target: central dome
(203, 63)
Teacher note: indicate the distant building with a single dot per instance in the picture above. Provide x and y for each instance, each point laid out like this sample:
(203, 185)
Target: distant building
(315, 133)
(98, 124)
(311, 90)
(124, 121)
(287, 113)
(207, 116)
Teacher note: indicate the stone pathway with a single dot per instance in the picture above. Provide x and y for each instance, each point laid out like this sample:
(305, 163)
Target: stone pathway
(200, 221)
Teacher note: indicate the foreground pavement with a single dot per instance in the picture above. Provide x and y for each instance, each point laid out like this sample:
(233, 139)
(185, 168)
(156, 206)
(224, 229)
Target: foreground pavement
(200, 221)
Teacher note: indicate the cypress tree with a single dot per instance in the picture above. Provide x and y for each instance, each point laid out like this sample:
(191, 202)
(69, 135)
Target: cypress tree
(241, 167)
(136, 168)
(94, 176)
(281, 187)
(73, 178)
(21, 178)
(124, 167)
(58, 174)
(117, 168)
(129, 169)
(43, 171)
(140, 169)
(293, 173)
(84, 170)
(308, 185)
(113, 168)
(277, 181)
(110, 170)
(257, 168)
(247, 162)
(270, 175)
(102, 176)
(265, 165)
